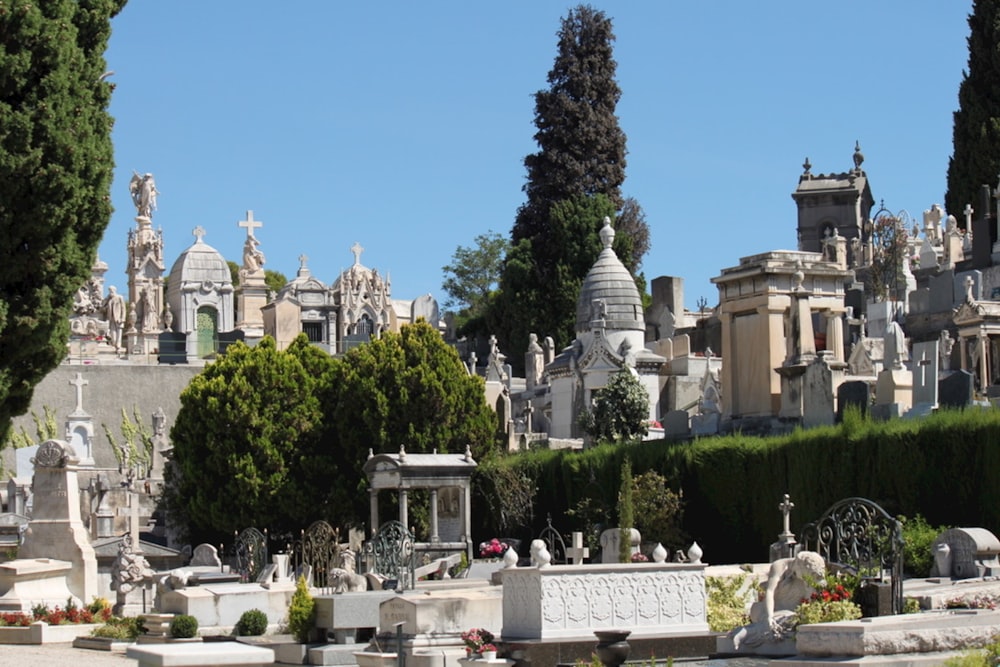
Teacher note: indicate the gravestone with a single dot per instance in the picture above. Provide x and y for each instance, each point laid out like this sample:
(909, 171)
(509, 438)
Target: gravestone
(956, 389)
(972, 552)
(611, 544)
(855, 392)
(675, 424)
(173, 348)
(425, 306)
(227, 338)
(925, 378)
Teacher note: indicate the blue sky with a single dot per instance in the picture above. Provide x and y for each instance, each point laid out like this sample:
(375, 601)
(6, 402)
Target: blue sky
(403, 125)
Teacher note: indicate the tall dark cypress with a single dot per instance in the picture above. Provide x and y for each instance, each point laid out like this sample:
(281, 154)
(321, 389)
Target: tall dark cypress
(55, 178)
(581, 157)
(975, 159)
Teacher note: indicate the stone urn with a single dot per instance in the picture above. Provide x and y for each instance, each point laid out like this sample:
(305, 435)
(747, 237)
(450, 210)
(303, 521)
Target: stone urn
(612, 646)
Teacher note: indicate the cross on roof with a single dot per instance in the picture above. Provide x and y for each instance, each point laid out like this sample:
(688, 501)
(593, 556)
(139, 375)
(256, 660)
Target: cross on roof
(198, 232)
(357, 250)
(79, 383)
(303, 259)
(250, 224)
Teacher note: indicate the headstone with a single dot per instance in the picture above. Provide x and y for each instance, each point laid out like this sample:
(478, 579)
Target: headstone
(973, 553)
(854, 392)
(227, 338)
(962, 288)
(956, 389)
(205, 555)
(611, 544)
(942, 292)
(425, 306)
(577, 553)
(925, 378)
(173, 348)
(675, 424)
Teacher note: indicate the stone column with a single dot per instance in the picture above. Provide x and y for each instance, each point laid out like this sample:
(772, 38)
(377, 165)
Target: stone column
(835, 334)
(466, 504)
(404, 510)
(373, 511)
(984, 365)
(434, 516)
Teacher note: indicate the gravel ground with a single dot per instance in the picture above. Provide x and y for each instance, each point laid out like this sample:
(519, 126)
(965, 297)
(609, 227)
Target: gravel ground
(64, 655)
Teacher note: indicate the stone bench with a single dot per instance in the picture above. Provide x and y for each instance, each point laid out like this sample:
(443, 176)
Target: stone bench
(199, 654)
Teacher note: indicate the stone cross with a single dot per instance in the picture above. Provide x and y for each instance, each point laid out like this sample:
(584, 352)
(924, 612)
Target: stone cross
(786, 512)
(250, 224)
(303, 259)
(79, 383)
(356, 249)
(199, 233)
(923, 363)
(577, 552)
(968, 216)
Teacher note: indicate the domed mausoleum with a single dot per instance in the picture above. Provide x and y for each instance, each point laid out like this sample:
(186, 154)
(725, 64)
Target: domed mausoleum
(610, 337)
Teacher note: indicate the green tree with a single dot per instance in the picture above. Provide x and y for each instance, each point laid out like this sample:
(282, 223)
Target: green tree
(244, 440)
(975, 158)
(581, 156)
(409, 388)
(626, 513)
(474, 273)
(55, 177)
(621, 410)
(274, 280)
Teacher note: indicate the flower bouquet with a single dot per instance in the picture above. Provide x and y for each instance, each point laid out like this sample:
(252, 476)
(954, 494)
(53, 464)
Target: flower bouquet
(476, 640)
(492, 549)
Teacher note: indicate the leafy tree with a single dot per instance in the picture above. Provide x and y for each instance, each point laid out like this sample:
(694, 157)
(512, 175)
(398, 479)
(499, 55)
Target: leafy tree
(474, 273)
(55, 176)
(244, 440)
(658, 510)
(581, 157)
(409, 388)
(621, 410)
(975, 159)
(275, 280)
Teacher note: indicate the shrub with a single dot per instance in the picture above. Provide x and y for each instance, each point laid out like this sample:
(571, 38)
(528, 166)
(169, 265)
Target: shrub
(184, 626)
(252, 623)
(727, 602)
(918, 537)
(301, 612)
(126, 628)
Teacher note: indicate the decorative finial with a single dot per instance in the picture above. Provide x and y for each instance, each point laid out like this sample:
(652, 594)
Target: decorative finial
(806, 166)
(402, 452)
(199, 233)
(859, 157)
(468, 453)
(607, 233)
(356, 249)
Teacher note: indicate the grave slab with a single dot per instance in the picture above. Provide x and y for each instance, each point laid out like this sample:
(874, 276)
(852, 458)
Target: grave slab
(192, 655)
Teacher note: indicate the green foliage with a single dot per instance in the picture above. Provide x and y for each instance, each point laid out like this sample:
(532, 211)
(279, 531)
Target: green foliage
(581, 154)
(987, 656)
(508, 492)
(918, 537)
(124, 628)
(249, 429)
(56, 166)
(621, 410)
(728, 598)
(658, 510)
(626, 513)
(252, 623)
(732, 484)
(301, 612)
(274, 280)
(474, 273)
(975, 159)
(137, 441)
(409, 388)
(818, 611)
(183, 626)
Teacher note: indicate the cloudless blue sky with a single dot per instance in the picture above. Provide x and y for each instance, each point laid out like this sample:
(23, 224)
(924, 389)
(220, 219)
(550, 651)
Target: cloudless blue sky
(403, 125)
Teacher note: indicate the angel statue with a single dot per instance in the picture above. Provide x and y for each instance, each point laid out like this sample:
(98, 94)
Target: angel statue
(143, 189)
(253, 257)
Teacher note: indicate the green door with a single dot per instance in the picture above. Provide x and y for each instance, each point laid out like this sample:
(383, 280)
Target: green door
(206, 326)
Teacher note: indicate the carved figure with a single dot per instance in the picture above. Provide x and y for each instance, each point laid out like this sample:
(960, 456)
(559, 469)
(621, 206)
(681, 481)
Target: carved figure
(143, 190)
(345, 581)
(253, 257)
(149, 317)
(540, 556)
(894, 345)
(945, 346)
(114, 311)
(787, 585)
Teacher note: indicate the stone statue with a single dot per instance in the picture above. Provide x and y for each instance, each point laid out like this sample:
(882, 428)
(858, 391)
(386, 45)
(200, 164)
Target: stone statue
(945, 346)
(150, 321)
(143, 189)
(788, 583)
(129, 571)
(253, 258)
(894, 344)
(130, 318)
(114, 311)
(168, 318)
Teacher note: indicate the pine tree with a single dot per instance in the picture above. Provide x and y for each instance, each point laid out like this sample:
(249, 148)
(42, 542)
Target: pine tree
(975, 157)
(55, 177)
(580, 165)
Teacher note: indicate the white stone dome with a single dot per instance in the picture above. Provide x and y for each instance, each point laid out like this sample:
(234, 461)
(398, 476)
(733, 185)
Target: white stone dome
(200, 264)
(609, 291)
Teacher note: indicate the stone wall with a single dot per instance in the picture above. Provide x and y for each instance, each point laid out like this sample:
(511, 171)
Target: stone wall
(111, 387)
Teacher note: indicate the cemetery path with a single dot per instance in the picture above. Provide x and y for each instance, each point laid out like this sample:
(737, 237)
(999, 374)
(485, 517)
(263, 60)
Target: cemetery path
(64, 655)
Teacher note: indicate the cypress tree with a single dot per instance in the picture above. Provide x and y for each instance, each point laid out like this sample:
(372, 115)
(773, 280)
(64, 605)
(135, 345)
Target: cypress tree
(55, 176)
(581, 157)
(975, 159)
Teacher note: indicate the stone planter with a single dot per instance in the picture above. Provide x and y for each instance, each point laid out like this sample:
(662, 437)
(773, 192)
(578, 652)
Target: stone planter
(373, 659)
(612, 646)
(40, 632)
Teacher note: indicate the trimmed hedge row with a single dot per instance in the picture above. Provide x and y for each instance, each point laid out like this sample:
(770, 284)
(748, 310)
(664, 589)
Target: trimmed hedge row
(945, 467)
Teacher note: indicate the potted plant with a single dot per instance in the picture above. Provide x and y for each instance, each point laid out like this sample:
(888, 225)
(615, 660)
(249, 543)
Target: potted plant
(476, 640)
(488, 651)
